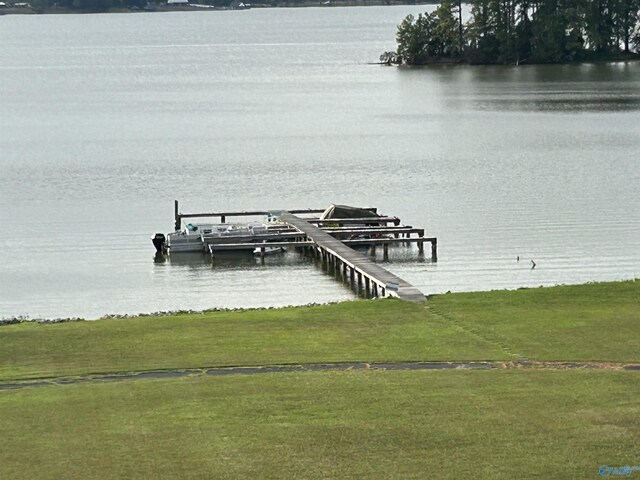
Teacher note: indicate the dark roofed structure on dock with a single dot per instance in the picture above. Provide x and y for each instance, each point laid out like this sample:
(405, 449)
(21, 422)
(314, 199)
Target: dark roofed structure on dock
(345, 211)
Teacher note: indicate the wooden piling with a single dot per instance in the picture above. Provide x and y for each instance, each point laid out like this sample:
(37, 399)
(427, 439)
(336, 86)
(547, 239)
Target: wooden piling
(176, 216)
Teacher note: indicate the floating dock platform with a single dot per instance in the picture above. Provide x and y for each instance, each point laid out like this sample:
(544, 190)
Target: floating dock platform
(330, 240)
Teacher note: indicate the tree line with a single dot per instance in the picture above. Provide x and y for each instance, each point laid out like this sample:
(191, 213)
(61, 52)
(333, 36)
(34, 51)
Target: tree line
(78, 6)
(519, 31)
(109, 5)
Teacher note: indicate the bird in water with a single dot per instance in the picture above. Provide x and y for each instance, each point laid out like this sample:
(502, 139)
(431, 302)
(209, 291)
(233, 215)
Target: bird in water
(533, 264)
(518, 258)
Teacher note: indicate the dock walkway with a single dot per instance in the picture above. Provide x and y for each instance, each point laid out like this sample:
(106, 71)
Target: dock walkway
(377, 280)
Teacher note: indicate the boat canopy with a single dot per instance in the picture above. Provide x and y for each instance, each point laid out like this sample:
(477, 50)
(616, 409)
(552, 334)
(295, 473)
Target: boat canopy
(345, 211)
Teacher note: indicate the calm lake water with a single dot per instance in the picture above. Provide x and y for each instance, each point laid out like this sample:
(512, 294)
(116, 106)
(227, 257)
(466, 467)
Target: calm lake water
(106, 119)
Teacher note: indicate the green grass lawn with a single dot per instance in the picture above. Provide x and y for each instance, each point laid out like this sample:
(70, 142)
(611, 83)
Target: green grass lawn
(597, 322)
(387, 330)
(494, 424)
(498, 424)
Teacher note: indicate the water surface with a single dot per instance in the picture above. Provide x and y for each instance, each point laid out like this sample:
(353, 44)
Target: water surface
(106, 119)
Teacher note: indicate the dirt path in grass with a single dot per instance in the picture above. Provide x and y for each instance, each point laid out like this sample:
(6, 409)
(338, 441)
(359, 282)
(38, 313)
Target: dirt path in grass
(315, 367)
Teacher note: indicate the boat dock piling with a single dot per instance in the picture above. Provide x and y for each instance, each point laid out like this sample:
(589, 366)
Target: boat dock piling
(330, 241)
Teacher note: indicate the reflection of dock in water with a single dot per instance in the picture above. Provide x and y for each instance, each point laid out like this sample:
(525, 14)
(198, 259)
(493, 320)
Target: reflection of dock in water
(330, 238)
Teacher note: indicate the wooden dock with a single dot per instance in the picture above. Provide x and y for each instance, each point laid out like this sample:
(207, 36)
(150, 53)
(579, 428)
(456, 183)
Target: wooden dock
(376, 280)
(329, 240)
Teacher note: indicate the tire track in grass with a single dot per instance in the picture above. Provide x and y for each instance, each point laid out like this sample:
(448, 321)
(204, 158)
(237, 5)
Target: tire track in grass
(476, 332)
(315, 367)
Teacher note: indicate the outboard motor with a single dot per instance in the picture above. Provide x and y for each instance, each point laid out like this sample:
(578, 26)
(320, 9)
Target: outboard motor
(159, 241)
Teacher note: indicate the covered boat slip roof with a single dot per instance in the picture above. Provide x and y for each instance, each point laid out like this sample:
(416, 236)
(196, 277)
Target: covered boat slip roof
(345, 211)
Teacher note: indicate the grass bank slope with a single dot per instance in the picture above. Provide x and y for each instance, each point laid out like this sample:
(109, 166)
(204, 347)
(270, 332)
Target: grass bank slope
(596, 322)
(385, 330)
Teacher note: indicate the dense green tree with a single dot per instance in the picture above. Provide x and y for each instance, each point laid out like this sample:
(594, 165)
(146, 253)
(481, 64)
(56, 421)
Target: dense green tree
(626, 14)
(549, 33)
(429, 37)
(481, 39)
(414, 33)
(492, 31)
(598, 25)
(521, 31)
(446, 32)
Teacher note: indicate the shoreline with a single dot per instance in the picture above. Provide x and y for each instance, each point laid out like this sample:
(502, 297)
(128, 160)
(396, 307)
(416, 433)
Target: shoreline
(26, 319)
(614, 58)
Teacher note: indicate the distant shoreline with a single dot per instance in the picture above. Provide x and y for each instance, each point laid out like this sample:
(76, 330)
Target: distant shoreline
(202, 7)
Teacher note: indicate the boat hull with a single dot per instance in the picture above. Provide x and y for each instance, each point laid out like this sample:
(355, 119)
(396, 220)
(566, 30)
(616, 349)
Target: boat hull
(194, 238)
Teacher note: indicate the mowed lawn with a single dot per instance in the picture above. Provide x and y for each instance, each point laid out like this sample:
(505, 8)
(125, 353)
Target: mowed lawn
(385, 330)
(592, 322)
(374, 424)
(596, 322)
(497, 424)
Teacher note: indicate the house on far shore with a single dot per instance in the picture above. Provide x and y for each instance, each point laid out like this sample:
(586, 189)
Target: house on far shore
(15, 5)
(238, 5)
(178, 2)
